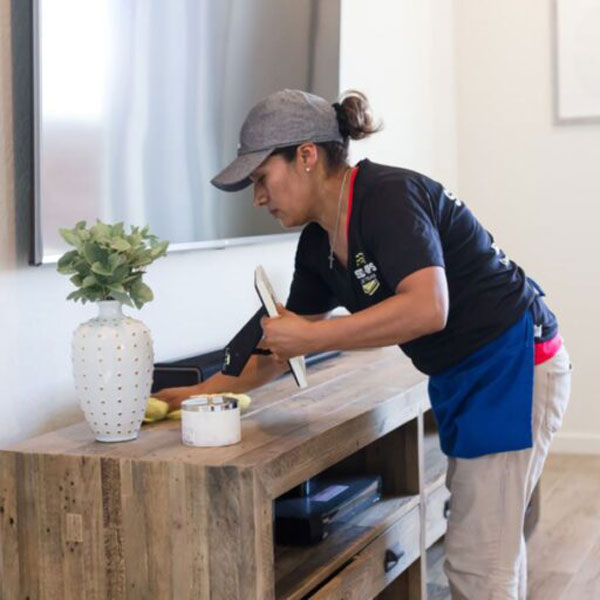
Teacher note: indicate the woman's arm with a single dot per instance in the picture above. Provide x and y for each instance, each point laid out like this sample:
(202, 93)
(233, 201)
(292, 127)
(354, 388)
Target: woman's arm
(259, 370)
(419, 307)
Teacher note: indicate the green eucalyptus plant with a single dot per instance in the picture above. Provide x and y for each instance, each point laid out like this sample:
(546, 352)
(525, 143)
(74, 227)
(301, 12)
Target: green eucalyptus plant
(108, 264)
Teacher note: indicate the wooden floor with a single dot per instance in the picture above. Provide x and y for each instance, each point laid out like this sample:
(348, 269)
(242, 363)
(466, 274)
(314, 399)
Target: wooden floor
(564, 550)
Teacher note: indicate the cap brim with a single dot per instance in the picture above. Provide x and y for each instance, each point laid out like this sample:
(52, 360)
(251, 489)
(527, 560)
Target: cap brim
(236, 176)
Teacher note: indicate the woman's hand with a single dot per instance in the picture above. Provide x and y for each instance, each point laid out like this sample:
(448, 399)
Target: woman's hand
(287, 335)
(175, 395)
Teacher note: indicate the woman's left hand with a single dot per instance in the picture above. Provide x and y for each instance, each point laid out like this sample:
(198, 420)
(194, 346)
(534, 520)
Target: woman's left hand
(287, 335)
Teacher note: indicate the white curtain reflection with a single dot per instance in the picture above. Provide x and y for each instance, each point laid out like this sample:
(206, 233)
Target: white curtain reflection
(76, 34)
(142, 101)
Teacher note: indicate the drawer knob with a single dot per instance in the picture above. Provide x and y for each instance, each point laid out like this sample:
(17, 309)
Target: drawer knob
(447, 509)
(392, 558)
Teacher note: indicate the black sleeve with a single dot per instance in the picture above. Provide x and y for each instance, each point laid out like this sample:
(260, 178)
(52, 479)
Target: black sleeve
(400, 229)
(309, 293)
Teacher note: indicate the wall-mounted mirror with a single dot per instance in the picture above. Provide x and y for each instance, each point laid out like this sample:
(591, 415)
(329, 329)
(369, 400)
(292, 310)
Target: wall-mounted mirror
(138, 104)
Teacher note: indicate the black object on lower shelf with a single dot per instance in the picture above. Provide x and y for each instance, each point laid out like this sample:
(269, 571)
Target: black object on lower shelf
(300, 521)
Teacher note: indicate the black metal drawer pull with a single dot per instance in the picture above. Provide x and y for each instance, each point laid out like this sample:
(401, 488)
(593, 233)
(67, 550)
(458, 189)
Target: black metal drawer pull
(392, 558)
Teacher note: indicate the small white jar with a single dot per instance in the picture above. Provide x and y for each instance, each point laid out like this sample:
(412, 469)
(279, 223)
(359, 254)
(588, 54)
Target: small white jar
(210, 421)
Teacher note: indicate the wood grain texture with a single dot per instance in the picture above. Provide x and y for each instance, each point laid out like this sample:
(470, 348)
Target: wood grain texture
(300, 569)
(9, 541)
(299, 457)
(435, 519)
(563, 550)
(238, 568)
(112, 525)
(80, 480)
(386, 457)
(407, 586)
(417, 572)
(135, 538)
(273, 418)
(29, 485)
(365, 576)
(152, 518)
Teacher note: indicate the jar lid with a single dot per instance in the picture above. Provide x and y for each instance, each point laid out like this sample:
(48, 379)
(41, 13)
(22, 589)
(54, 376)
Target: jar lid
(209, 403)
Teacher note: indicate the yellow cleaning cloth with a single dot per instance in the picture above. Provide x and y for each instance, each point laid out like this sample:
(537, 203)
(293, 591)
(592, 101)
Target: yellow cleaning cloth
(157, 410)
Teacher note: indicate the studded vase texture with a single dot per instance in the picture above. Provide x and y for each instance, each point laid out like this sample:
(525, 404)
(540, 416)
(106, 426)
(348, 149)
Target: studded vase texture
(113, 362)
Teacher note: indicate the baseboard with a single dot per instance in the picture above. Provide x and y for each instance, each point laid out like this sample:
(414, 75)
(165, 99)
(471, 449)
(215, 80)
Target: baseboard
(576, 443)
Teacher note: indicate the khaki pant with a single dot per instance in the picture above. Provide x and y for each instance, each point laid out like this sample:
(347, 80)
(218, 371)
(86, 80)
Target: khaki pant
(484, 546)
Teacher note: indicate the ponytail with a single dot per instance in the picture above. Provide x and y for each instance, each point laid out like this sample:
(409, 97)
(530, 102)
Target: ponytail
(354, 116)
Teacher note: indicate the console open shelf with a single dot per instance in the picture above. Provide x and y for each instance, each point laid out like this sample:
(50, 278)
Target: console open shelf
(298, 570)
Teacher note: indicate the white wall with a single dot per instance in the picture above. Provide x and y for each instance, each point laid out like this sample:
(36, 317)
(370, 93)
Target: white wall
(401, 55)
(399, 52)
(534, 184)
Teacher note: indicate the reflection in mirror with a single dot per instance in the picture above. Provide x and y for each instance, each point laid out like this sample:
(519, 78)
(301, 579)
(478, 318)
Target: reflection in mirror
(139, 104)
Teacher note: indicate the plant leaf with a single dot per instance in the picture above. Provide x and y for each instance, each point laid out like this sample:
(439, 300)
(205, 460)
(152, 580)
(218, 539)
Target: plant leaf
(134, 277)
(121, 297)
(159, 250)
(121, 245)
(141, 293)
(67, 270)
(120, 273)
(89, 281)
(101, 269)
(84, 235)
(76, 295)
(116, 260)
(82, 268)
(142, 257)
(117, 230)
(94, 293)
(94, 253)
(70, 237)
(117, 287)
(107, 263)
(67, 258)
(101, 231)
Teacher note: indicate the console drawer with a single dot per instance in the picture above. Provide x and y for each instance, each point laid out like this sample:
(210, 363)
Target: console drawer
(436, 515)
(380, 562)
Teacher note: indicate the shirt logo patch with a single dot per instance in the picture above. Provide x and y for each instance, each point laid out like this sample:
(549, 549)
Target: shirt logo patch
(366, 274)
(451, 196)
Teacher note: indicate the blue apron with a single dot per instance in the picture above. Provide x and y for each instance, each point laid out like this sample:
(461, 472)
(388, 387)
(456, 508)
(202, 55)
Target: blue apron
(484, 403)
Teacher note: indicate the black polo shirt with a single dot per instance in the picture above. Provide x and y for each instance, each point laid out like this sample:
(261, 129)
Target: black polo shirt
(402, 221)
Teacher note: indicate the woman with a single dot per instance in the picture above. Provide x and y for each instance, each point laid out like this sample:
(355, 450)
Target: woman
(414, 267)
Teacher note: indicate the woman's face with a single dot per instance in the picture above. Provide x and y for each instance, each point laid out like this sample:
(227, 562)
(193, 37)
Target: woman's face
(283, 188)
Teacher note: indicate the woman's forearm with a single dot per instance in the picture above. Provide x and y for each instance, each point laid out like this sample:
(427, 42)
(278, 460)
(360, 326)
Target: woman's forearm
(419, 307)
(397, 320)
(259, 370)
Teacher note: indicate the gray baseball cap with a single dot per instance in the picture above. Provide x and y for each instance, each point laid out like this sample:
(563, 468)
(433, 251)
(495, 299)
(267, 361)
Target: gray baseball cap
(282, 119)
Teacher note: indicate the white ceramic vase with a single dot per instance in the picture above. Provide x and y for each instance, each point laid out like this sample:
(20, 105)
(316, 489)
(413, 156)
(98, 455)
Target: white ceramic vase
(113, 361)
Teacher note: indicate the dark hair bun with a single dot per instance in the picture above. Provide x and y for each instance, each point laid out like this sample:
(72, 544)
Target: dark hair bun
(355, 116)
